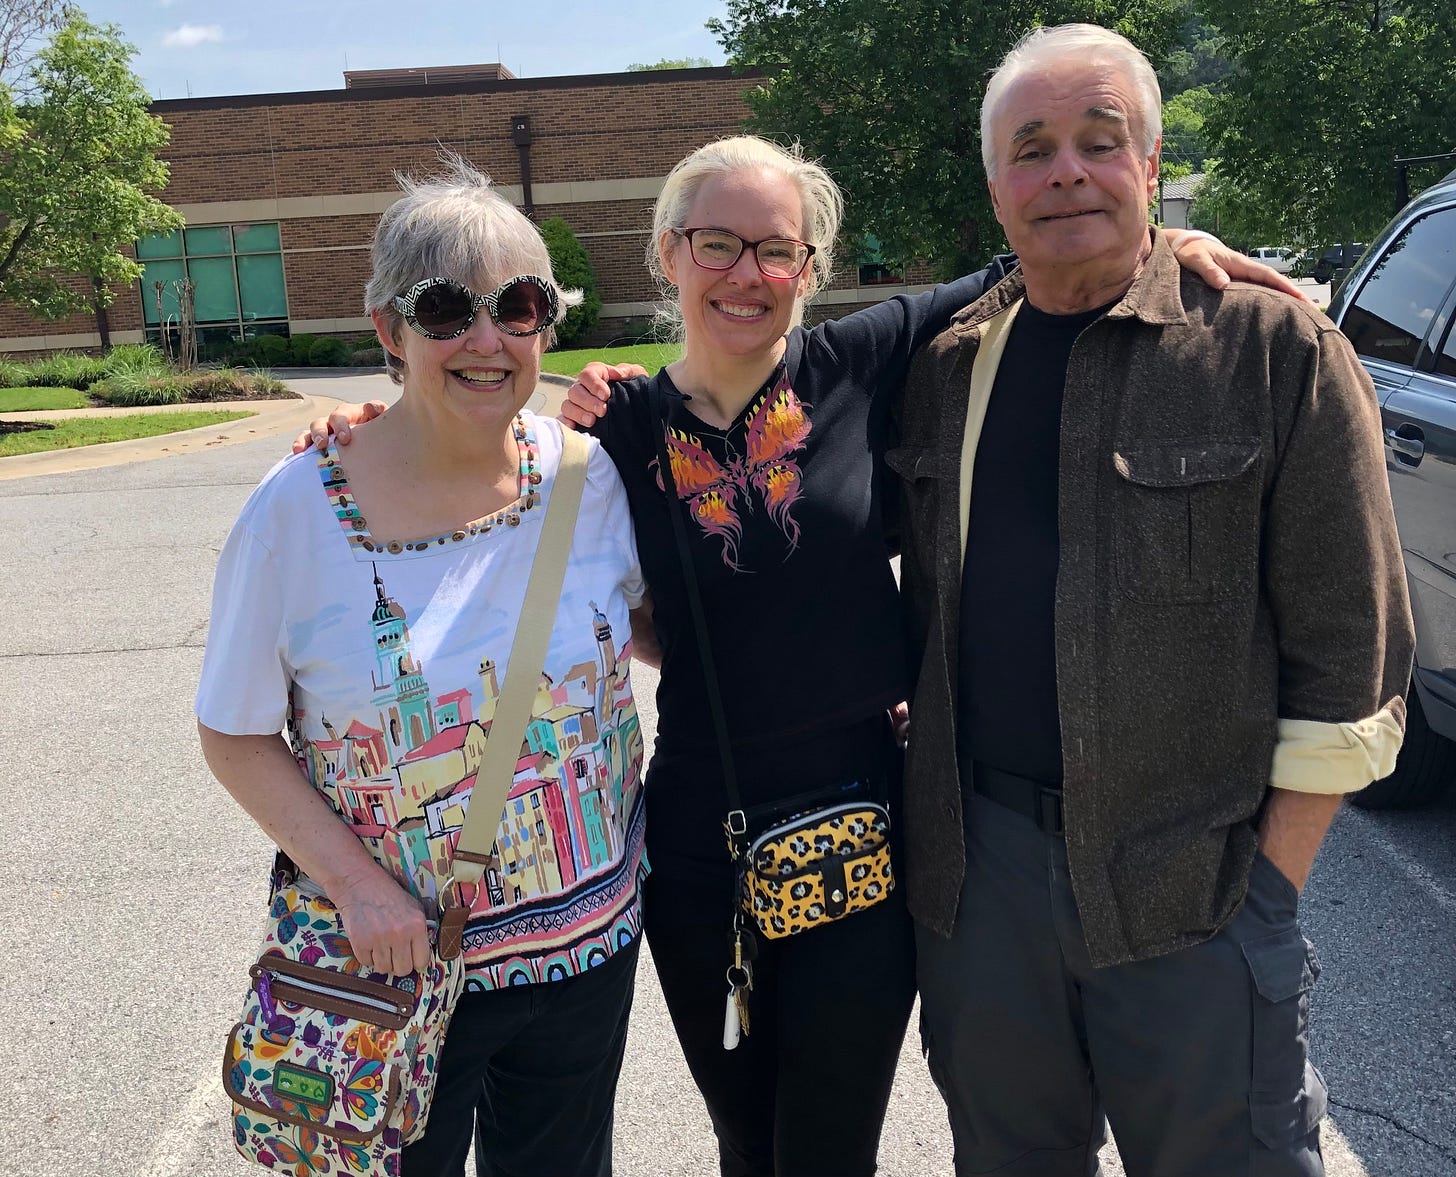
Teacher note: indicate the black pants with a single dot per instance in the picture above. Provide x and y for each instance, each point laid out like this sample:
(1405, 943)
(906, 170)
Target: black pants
(533, 1070)
(1200, 1057)
(804, 1094)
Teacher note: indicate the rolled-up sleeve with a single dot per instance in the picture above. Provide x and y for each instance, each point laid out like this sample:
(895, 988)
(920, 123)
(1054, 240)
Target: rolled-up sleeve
(1336, 583)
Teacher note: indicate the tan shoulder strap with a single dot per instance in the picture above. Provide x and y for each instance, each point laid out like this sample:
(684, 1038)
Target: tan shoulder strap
(994, 333)
(523, 675)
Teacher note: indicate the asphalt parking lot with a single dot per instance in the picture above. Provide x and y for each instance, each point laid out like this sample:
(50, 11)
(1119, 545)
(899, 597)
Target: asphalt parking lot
(136, 885)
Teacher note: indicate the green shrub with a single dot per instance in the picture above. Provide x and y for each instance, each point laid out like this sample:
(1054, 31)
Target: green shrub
(67, 369)
(132, 389)
(298, 348)
(129, 390)
(266, 382)
(329, 353)
(368, 357)
(270, 350)
(222, 384)
(134, 357)
(14, 374)
(573, 271)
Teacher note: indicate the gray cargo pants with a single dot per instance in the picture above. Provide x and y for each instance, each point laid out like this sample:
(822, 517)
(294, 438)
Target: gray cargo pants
(1199, 1059)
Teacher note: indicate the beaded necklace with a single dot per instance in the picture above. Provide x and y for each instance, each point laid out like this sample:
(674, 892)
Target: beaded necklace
(356, 528)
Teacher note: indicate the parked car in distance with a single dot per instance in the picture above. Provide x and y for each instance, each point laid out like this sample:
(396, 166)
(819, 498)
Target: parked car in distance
(1275, 257)
(1332, 262)
(1397, 308)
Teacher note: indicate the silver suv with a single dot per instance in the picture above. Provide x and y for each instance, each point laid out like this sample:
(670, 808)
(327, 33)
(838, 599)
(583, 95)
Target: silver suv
(1397, 308)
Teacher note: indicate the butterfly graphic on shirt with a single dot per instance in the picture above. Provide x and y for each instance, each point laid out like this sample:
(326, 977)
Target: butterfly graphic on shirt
(776, 429)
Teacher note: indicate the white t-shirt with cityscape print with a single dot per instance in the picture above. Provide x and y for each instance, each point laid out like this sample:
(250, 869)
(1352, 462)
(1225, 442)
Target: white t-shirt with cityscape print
(383, 661)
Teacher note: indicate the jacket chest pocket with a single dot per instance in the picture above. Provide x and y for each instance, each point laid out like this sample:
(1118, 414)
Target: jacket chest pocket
(1187, 519)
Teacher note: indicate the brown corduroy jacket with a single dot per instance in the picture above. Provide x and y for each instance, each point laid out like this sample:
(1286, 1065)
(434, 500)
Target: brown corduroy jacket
(1229, 568)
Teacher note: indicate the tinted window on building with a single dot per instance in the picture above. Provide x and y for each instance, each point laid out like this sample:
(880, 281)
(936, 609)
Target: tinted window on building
(236, 273)
(873, 271)
(1394, 309)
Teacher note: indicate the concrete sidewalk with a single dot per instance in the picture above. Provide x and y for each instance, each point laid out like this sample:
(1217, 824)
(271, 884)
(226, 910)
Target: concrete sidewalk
(316, 394)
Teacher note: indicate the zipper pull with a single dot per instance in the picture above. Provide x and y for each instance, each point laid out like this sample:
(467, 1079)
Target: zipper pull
(264, 987)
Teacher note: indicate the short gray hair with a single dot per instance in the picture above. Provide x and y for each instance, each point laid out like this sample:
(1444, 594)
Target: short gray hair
(1090, 44)
(823, 207)
(452, 224)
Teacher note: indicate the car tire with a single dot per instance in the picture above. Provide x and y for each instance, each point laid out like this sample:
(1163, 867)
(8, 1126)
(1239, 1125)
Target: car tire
(1425, 768)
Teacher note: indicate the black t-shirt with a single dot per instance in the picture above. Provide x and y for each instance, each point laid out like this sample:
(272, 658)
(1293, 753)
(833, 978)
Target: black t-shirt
(1008, 668)
(786, 529)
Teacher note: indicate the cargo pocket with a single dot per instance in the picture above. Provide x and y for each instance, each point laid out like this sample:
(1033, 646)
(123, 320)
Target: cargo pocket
(1187, 519)
(1287, 1097)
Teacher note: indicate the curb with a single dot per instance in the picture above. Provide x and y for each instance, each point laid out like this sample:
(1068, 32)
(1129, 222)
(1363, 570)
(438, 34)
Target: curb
(270, 418)
(276, 416)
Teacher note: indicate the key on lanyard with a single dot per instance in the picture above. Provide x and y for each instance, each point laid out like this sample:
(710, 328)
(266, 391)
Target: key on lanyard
(740, 984)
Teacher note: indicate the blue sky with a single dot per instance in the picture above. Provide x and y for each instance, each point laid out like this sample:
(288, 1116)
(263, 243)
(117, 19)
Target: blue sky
(216, 47)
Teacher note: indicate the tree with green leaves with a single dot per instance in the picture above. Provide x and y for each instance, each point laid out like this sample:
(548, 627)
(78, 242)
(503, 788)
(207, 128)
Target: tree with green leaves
(1324, 98)
(671, 63)
(1199, 61)
(1185, 144)
(573, 269)
(887, 93)
(78, 164)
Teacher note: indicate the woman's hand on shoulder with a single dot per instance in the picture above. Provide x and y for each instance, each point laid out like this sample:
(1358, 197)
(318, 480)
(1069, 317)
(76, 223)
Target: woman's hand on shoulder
(586, 400)
(385, 924)
(338, 423)
(1218, 265)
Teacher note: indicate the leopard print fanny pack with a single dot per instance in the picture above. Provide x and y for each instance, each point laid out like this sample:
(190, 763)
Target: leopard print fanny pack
(816, 867)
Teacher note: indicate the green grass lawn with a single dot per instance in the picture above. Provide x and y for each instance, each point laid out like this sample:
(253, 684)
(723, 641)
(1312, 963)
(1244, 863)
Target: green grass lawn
(30, 400)
(93, 430)
(651, 356)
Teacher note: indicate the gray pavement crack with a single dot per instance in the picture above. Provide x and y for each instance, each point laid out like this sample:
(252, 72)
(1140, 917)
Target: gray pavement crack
(190, 645)
(1395, 1122)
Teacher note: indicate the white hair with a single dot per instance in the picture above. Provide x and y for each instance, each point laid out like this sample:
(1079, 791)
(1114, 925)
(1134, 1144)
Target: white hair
(818, 194)
(1089, 45)
(452, 224)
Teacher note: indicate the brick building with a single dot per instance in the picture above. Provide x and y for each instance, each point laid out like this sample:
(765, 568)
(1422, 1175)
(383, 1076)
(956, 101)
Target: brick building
(281, 192)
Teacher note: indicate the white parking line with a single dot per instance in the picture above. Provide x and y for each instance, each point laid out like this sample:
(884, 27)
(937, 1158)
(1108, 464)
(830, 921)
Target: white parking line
(179, 1143)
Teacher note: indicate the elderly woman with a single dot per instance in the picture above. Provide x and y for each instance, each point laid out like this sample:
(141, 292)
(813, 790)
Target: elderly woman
(774, 436)
(380, 645)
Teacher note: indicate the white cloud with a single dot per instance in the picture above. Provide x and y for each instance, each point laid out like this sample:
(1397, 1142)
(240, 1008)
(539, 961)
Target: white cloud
(190, 36)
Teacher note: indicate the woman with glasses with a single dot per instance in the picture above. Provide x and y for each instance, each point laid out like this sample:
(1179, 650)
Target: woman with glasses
(367, 603)
(773, 435)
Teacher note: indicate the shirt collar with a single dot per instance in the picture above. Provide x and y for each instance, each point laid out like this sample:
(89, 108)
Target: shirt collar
(1154, 296)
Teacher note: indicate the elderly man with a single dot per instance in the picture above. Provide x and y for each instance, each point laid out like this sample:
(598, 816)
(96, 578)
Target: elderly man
(1181, 638)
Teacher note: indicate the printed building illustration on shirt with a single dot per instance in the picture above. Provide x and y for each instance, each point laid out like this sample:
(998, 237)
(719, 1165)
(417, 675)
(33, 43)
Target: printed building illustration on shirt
(403, 775)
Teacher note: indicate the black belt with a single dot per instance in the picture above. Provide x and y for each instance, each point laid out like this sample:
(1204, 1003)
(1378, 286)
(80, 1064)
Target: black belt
(1035, 801)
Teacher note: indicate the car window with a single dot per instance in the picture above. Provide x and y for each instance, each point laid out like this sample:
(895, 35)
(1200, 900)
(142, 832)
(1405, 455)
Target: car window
(1446, 353)
(1394, 309)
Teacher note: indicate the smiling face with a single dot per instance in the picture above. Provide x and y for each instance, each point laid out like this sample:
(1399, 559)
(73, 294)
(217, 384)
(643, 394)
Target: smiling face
(737, 312)
(479, 380)
(1072, 183)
